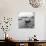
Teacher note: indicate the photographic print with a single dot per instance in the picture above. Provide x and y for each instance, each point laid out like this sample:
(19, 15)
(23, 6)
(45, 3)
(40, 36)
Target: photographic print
(26, 20)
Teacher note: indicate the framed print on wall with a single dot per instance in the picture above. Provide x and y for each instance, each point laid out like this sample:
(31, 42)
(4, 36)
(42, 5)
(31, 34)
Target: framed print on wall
(26, 20)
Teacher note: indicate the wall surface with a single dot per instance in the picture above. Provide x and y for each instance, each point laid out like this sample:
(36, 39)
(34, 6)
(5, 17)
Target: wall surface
(12, 8)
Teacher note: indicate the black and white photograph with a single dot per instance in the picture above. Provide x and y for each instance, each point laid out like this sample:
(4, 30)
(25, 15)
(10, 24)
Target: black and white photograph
(26, 20)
